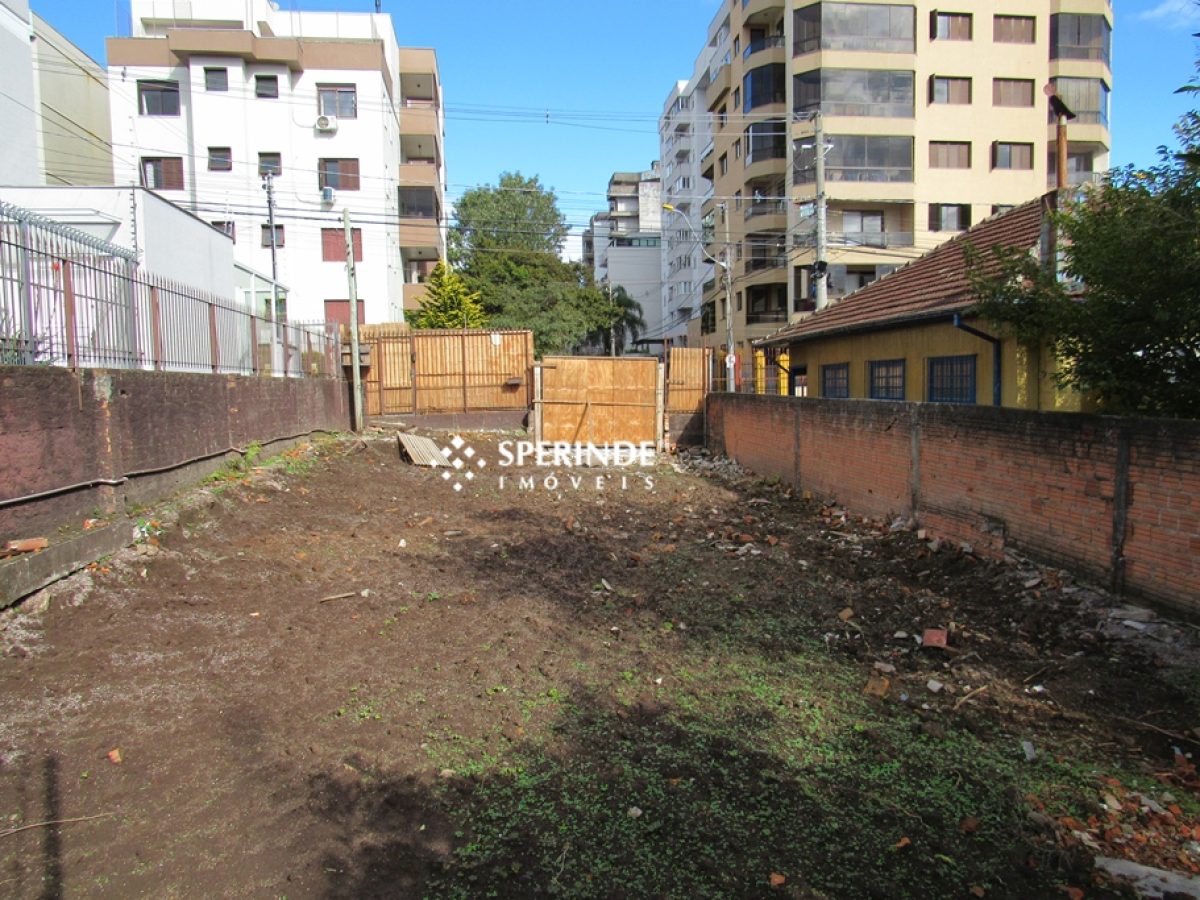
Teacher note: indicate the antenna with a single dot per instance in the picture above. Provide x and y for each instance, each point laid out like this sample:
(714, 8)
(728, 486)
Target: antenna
(378, 6)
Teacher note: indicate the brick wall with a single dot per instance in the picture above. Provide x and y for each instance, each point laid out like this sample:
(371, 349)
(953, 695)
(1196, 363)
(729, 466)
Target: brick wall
(1116, 499)
(60, 428)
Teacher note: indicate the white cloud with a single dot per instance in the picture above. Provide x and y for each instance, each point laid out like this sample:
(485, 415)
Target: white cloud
(1173, 13)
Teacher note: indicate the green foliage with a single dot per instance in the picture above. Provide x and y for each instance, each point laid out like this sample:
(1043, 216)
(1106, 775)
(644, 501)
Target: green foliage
(1131, 334)
(625, 323)
(517, 214)
(448, 303)
(505, 244)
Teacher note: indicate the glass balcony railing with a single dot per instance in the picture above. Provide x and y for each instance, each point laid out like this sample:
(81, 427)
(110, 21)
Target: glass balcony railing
(766, 43)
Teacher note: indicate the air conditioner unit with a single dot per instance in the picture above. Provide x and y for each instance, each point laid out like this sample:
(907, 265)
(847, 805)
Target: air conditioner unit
(327, 124)
(328, 195)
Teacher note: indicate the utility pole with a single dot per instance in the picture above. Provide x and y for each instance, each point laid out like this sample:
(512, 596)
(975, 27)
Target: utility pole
(821, 263)
(352, 278)
(269, 187)
(727, 261)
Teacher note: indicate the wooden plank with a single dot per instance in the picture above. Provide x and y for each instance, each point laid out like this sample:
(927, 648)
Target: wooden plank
(421, 451)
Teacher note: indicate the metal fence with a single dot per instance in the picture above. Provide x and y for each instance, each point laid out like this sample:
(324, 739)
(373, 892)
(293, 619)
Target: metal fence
(70, 299)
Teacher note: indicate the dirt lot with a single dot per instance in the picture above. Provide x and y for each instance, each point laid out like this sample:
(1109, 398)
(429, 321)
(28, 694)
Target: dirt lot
(710, 688)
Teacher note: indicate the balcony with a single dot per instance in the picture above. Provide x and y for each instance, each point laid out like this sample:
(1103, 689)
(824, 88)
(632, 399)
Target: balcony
(776, 42)
(719, 87)
(683, 147)
(763, 263)
(767, 317)
(874, 239)
(756, 11)
(766, 208)
(419, 117)
(419, 173)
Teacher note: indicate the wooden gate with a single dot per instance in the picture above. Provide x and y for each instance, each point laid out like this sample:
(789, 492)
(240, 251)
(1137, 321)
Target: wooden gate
(688, 379)
(446, 370)
(599, 400)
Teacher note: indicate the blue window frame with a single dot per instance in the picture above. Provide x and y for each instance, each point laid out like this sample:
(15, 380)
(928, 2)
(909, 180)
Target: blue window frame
(952, 379)
(835, 381)
(885, 378)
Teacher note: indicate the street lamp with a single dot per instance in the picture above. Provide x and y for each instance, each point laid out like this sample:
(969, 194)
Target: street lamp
(730, 363)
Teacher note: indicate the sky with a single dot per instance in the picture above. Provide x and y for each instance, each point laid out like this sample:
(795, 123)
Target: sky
(571, 91)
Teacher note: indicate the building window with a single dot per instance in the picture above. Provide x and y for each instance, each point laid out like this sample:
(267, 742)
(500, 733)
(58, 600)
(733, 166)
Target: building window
(724, 164)
(229, 228)
(333, 244)
(158, 98)
(946, 26)
(1000, 208)
(737, 149)
(766, 140)
(266, 86)
(340, 174)
(763, 86)
(857, 157)
(1012, 92)
(952, 379)
(863, 228)
(216, 79)
(737, 97)
(1012, 156)
(266, 235)
(949, 216)
(1086, 97)
(722, 117)
(162, 173)
(739, 301)
(885, 379)
(946, 89)
(270, 164)
(220, 159)
(1080, 36)
(1014, 29)
(340, 100)
(950, 154)
(835, 381)
(856, 92)
(882, 28)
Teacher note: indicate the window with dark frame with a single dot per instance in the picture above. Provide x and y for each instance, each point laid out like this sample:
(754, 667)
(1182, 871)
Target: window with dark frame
(947, 26)
(949, 216)
(885, 379)
(338, 100)
(835, 381)
(1012, 156)
(216, 79)
(229, 228)
(333, 244)
(951, 379)
(1014, 29)
(220, 159)
(950, 154)
(158, 98)
(270, 164)
(266, 86)
(162, 173)
(266, 235)
(949, 89)
(1012, 92)
(339, 174)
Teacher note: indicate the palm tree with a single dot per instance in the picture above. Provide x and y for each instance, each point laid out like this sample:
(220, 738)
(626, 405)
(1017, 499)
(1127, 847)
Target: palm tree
(625, 326)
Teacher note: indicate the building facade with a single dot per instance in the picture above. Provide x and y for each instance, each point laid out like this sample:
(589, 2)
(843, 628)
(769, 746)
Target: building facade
(19, 151)
(932, 119)
(622, 245)
(253, 114)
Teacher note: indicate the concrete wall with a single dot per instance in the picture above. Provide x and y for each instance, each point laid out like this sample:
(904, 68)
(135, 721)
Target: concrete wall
(60, 428)
(18, 111)
(1113, 498)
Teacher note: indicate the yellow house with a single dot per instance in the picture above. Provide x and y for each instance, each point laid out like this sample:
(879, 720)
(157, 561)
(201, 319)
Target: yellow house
(910, 335)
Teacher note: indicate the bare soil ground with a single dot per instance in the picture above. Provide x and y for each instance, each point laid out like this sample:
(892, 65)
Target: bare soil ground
(711, 688)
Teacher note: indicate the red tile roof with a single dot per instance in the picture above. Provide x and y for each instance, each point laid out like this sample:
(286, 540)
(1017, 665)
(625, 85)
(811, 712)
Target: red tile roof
(934, 285)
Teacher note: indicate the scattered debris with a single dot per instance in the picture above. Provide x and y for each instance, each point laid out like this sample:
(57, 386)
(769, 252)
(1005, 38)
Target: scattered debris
(934, 637)
(1030, 750)
(114, 756)
(25, 545)
(332, 597)
(420, 451)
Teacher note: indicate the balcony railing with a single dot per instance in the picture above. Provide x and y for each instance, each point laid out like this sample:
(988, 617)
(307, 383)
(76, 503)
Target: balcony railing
(872, 238)
(761, 263)
(767, 317)
(767, 43)
(766, 208)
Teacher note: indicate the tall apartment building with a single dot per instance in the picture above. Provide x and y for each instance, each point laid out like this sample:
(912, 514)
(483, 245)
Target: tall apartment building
(622, 245)
(208, 100)
(934, 118)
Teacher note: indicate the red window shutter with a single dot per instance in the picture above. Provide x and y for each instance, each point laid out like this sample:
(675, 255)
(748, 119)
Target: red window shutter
(172, 173)
(349, 174)
(332, 245)
(356, 239)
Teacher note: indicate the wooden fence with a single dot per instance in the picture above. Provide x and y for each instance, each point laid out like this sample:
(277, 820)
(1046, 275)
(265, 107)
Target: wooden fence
(688, 379)
(452, 370)
(599, 400)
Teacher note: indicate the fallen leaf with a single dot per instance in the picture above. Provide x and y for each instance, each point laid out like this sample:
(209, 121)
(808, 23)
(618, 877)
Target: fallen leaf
(977, 891)
(778, 880)
(27, 545)
(901, 844)
(969, 825)
(1073, 892)
(114, 756)
(846, 614)
(877, 686)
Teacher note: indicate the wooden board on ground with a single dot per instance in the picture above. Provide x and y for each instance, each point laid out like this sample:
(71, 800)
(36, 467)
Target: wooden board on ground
(600, 400)
(421, 451)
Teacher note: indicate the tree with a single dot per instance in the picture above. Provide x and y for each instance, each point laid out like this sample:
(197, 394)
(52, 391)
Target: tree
(625, 323)
(517, 214)
(448, 303)
(1124, 321)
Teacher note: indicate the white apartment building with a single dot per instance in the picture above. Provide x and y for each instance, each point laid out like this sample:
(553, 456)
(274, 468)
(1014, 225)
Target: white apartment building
(326, 107)
(685, 138)
(18, 103)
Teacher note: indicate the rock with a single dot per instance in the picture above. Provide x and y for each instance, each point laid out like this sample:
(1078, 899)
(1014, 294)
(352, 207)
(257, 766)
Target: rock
(1030, 750)
(934, 686)
(446, 773)
(885, 668)
(1148, 881)
(634, 812)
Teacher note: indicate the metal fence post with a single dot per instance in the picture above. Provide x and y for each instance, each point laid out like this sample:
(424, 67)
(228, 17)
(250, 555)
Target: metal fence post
(68, 277)
(214, 346)
(254, 366)
(156, 336)
(26, 339)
